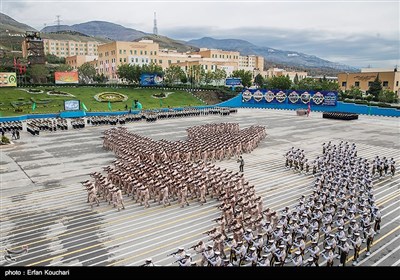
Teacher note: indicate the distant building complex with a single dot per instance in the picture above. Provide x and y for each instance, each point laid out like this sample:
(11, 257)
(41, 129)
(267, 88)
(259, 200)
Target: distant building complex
(106, 58)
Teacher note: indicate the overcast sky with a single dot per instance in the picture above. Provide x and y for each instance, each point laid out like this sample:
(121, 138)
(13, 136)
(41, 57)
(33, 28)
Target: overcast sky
(357, 33)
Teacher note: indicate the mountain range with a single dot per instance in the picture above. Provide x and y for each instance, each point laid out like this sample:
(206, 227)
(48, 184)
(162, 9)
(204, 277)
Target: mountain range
(106, 31)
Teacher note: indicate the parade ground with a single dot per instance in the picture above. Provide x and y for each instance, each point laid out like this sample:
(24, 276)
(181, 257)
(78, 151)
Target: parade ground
(43, 204)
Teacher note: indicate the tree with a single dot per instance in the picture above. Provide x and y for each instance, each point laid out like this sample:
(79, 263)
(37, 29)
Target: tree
(53, 59)
(208, 77)
(259, 80)
(280, 82)
(196, 74)
(375, 88)
(38, 73)
(152, 68)
(173, 74)
(387, 96)
(131, 73)
(355, 92)
(245, 76)
(63, 68)
(100, 78)
(296, 79)
(219, 74)
(86, 72)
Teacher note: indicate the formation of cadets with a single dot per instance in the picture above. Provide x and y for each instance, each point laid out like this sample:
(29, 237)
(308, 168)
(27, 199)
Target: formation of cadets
(13, 127)
(164, 171)
(48, 124)
(78, 123)
(327, 226)
(10, 126)
(113, 120)
(382, 167)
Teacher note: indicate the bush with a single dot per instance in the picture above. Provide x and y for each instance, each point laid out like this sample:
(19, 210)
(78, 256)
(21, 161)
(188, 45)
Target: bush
(5, 140)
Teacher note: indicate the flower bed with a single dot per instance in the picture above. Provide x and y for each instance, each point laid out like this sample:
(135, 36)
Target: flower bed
(161, 95)
(110, 96)
(59, 93)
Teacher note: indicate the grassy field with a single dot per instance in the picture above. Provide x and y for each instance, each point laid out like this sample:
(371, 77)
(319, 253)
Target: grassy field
(86, 95)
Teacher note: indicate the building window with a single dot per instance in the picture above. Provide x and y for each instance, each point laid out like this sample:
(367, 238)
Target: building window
(145, 52)
(141, 52)
(206, 66)
(120, 51)
(169, 62)
(124, 59)
(130, 51)
(385, 83)
(178, 61)
(147, 60)
(370, 83)
(135, 51)
(155, 53)
(160, 61)
(151, 52)
(124, 51)
(344, 84)
(137, 60)
(397, 83)
(357, 84)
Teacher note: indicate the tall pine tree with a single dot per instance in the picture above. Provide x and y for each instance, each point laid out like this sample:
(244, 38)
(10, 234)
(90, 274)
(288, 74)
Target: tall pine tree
(376, 88)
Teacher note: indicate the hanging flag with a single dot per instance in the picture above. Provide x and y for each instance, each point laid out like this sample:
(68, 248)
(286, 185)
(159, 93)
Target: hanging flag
(33, 106)
(15, 62)
(84, 107)
(109, 105)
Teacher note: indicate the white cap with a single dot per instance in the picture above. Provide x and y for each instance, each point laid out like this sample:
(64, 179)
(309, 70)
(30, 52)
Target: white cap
(148, 260)
(181, 249)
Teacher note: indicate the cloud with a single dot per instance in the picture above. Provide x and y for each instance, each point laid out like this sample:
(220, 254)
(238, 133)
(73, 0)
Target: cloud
(353, 49)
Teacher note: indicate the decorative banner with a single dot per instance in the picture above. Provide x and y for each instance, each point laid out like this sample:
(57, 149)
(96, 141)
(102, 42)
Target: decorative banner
(330, 98)
(305, 97)
(293, 97)
(280, 96)
(318, 98)
(269, 96)
(150, 80)
(258, 96)
(246, 96)
(8, 79)
(66, 77)
(290, 97)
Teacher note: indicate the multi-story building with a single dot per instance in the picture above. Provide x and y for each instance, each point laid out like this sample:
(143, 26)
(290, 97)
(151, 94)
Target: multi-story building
(77, 60)
(166, 58)
(114, 54)
(390, 79)
(65, 48)
(251, 63)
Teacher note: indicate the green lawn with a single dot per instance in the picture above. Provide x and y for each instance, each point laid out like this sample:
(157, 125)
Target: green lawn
(86, 95)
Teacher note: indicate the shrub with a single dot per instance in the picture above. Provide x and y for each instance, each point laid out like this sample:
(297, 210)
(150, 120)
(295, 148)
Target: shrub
(5, 140)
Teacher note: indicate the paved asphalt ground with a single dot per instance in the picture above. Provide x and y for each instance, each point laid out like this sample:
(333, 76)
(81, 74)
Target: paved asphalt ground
(43, 205)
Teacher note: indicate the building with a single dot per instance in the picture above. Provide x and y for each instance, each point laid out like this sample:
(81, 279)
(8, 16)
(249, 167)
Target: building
(65, 48)
(276, 72)
(166, 58)
(251, 63)
(209, 65)
(114, 54)
(77, 60)
(144, 52)
(390, 79)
